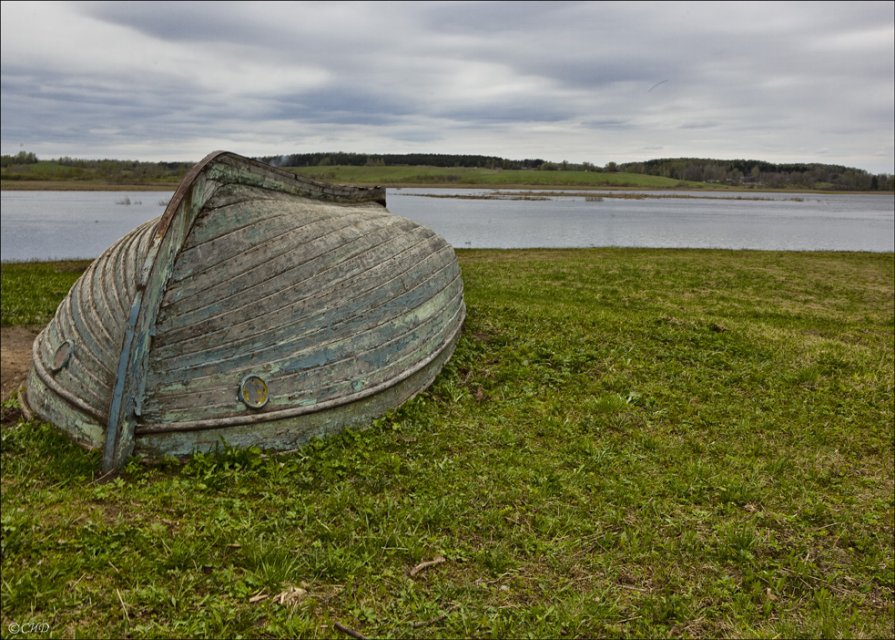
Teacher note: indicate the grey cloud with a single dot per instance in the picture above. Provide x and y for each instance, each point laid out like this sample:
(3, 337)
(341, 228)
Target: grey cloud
(174, 21)
(493, 76)
(506, 111)
(339, 105)
(608, 124)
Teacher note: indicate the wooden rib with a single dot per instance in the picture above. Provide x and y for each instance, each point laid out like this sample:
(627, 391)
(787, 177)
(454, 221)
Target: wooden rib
(313, 226)
(81, 377)
(229, 391)
(210, 402)
(105, 291)
(90, 316)
(117, 264)
(124, 281)
(264, 263)
(233, 214)
(266, 230)
(58, 333)
(51, 383)
(302, 234)
(346, 385)
(72, 378)
(75, 327)
(288, 316)
(139, 254)
(88, 308)
(221, 215)
(128, 266)
(362, 308)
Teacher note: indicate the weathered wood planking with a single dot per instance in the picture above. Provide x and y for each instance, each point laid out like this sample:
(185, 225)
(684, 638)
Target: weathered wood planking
(334, 308)
(93, 318)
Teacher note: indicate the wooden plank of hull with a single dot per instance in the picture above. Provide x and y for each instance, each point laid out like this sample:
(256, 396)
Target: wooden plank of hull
(91, 318)
(290, 432)
(349, 372)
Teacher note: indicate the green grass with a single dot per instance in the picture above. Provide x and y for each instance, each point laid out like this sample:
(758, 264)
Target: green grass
(120, 175)
(92, 174)
(31, 291)
(472, 177)
(645, 443)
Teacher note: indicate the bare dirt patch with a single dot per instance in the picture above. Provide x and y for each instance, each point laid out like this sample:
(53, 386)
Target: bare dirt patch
(15, 357)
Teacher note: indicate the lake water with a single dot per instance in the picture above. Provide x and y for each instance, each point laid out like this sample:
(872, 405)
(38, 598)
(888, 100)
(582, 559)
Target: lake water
(71, 224)
(43, 225)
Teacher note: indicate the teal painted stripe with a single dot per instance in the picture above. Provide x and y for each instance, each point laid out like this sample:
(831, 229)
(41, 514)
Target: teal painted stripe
(113, 428)
(268, 416)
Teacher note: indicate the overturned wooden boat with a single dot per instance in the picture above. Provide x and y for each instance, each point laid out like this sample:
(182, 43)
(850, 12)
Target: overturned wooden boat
(261, 309)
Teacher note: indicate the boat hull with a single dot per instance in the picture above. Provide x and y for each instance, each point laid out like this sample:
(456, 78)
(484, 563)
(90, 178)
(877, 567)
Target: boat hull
(261, 309)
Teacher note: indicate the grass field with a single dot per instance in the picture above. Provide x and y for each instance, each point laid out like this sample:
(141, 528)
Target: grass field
(649, 443)
(47, 175)
(91, 175)
(32, 290)
(115, 175)
(469, 177)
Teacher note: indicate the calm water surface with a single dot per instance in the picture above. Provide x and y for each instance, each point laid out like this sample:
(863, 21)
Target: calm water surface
(70, 224)
(43, 225)
(777, 221)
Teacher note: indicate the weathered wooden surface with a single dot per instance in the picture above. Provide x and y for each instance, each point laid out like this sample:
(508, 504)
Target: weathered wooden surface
(341, 308)
(292, 431)
(130, 382)
(93, 317)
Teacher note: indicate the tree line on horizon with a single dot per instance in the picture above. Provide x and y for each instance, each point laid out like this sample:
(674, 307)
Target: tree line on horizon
(766, 174)
(26, 165)
(323, 159)
(727, 172)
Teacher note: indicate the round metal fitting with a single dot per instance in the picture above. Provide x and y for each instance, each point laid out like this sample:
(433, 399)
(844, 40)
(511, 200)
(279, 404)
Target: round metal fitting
(62, 356)
(253, 391)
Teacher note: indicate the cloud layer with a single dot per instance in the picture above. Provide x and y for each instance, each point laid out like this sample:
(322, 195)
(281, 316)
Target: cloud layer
(577, 81)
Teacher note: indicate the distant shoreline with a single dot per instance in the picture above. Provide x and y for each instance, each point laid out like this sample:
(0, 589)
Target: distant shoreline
(76, 185)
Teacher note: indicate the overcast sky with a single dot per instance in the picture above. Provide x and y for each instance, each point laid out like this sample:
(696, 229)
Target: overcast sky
(577, 81)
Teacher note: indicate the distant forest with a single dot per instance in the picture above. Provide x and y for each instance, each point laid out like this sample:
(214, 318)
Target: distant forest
(728, 172)
(738, 173)
(765, 174)
(26, 165)
(401, 159)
